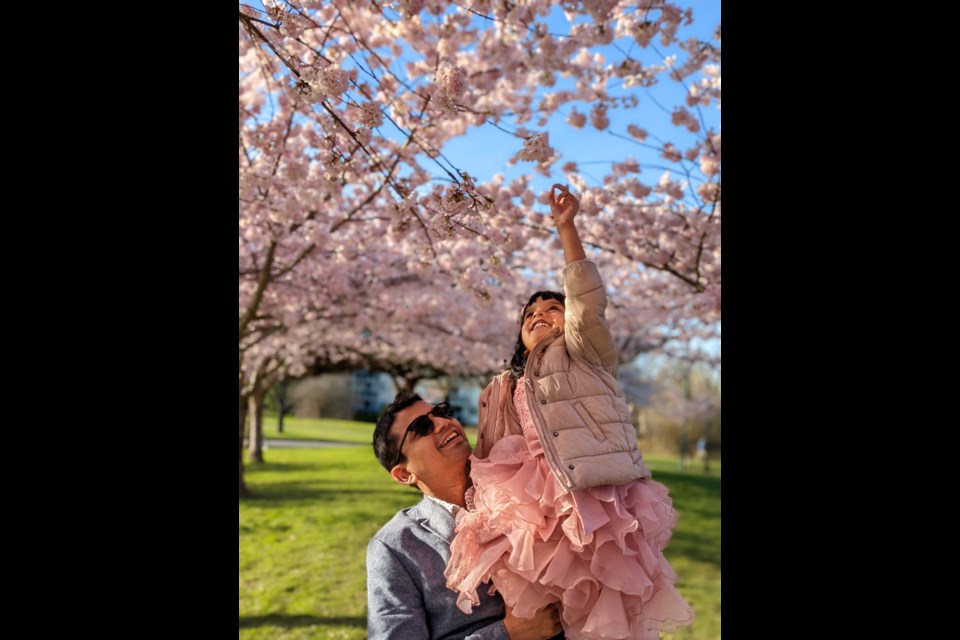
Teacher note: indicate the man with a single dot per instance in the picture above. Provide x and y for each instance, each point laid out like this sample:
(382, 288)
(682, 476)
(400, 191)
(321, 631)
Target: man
(423, 445)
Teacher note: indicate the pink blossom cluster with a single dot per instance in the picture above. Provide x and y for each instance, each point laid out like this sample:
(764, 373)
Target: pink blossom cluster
(451, 80)
(537, 148)
(370, 115)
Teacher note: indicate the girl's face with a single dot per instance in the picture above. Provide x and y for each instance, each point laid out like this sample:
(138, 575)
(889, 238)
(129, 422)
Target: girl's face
(539, 318)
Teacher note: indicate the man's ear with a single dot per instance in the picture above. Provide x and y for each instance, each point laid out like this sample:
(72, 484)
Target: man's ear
(403, 475)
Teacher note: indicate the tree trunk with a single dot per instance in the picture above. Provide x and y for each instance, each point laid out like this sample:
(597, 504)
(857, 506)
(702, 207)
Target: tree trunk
(282, 406)
(683, 422)
(255, 411)
(405, 382)
(244, 492)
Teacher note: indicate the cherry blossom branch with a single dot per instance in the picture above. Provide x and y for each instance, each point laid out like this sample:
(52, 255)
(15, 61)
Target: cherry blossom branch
(429, 150)
(262, 281)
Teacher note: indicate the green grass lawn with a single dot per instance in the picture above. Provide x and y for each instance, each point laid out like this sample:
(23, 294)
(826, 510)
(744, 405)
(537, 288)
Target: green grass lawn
(303, 538)
(315, 429)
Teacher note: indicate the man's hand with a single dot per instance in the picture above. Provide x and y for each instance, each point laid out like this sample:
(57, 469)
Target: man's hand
(543, 625)
(563, 205)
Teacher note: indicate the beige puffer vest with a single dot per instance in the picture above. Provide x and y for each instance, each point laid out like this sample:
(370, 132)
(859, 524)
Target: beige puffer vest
(576, 402)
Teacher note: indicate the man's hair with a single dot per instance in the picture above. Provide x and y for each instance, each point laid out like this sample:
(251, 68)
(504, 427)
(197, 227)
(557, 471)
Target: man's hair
(519, 360)
(384, 447)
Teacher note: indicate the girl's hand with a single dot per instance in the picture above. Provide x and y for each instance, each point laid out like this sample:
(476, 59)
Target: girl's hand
(563, 205)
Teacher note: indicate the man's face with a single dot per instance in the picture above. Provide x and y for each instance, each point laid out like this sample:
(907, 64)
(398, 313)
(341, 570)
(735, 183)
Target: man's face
(444, 449)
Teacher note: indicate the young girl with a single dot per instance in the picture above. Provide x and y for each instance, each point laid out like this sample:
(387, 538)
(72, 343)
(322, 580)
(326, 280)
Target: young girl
(562, 508)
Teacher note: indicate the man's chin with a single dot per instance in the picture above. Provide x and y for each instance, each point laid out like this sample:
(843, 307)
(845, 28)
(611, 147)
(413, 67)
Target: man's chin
(462, 451)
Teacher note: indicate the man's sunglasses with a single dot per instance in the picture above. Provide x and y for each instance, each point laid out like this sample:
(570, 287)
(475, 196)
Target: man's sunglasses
(423, 425)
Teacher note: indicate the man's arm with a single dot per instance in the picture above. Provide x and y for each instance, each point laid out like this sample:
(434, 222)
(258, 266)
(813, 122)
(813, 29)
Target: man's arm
(394, 603)
(395, 608)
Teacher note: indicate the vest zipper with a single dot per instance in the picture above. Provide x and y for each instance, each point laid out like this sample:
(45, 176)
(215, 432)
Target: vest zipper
(549, 449)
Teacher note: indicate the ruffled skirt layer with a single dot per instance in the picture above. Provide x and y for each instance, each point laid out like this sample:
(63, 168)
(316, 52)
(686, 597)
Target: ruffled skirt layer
(598, 551)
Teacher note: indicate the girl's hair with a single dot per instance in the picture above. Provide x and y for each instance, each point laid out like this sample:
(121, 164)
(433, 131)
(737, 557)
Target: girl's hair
(520, 352)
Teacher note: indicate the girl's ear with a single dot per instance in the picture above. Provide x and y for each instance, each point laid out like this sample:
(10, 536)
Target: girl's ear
(403, 475)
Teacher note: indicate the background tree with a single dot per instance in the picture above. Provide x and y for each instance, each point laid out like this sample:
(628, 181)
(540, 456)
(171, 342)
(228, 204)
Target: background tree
(279, 399)
(683, 402)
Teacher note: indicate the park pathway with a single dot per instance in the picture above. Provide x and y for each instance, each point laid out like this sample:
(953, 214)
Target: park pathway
(276, 443)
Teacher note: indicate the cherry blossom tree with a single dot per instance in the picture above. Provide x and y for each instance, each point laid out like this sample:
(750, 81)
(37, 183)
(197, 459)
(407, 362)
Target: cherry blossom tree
(364, 244)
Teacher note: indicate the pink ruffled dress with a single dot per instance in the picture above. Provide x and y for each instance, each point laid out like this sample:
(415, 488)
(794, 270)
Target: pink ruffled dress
(597, 551)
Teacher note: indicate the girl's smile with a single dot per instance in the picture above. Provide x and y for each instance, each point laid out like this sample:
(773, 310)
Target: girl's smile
(541, 317)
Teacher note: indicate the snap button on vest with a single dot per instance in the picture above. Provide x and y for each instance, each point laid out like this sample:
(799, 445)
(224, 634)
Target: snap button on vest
(543, 402)
(556, 433)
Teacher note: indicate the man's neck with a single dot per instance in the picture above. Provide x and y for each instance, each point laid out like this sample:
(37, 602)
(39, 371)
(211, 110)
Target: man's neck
(452, 491)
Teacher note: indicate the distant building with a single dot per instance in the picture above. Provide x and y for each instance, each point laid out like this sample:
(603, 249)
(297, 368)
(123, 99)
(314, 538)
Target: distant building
(325, 396)
(465, 400)
(370, 393)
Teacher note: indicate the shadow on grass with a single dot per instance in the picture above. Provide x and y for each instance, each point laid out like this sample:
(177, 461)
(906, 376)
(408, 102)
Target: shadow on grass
(321, 440)
(699, 547)
(292, 492)
(698, 493)
(288, 621)
(672, 478)
(277, 466)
